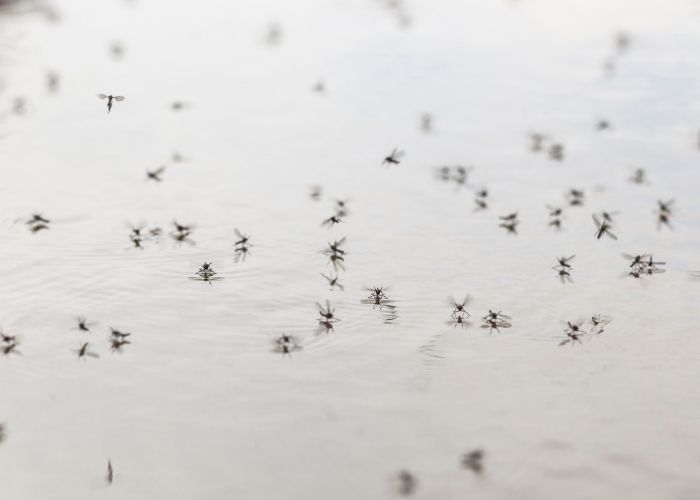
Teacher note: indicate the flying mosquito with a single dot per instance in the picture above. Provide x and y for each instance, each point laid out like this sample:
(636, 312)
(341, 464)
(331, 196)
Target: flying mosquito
(554, 211)
(286, 344)
(564, 262)
(459, 307)
(111, 98)
(327, 312)
(335, 247)
(83, 351)
(10, 348)
(665, 206)
(393, 158)
(37, 218)
(571, 338)
(83, 325)
(603, 228)
(493, 324)
(242, 238)
(341, 207)
(495, 316)
(574, 328)
(333, 282)
(510, 227)
(337, 261)
(331, 221)
(636, 259)
(599, 321)
(325, 326)
(119, 334)
(110, 472)
(474, 461)
(575, 197)
(459, 319)
(608, 216)
(663, 219)
(155, 175)
(510, 217)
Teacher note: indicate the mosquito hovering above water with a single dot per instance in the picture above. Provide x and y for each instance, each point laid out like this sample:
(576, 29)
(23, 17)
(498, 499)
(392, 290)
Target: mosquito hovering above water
(603, 227)
(110, 98)
(393, 158)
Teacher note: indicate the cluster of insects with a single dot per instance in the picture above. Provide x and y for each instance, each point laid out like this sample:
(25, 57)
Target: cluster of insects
(541, 142)
(481, 199)
(117, 339)
(336, 258)
(556, 214)
(643, 265)
(575, 331)
(472, 460)
(458, 174)
(575, 197)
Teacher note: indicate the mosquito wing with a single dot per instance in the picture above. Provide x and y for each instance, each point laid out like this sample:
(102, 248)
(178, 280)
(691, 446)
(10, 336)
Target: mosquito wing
(102, 96)
(596, 221)
(504, 324)
(119, 98)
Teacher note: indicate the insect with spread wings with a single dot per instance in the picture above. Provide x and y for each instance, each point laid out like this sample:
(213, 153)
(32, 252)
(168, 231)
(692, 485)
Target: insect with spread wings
(110, 98)
(603, 228)
(394, 158)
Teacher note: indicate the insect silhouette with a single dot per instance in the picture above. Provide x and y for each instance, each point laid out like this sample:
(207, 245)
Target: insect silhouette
(240, 253)
(117, 344)
(564, 276)
(571, 338)
(575, 197)
(83, 325)
(638, 176)
(636, 259)
(37, 222)
(426, 123)
(537, 142)
(377, 294)
(666, 206)
(83, 352)
(493, 324)
(394, 158)
(407, 483)
(599, 322)
(242, 238)
(337, 261)
(325, 326)
(474, 461)
(155, 175)
(327, 313)
(458, 319)
(335, 247)
(206, 273)
(555, 211)
(556, 152)
(333, 282)
(458, 308)
(564, 262)
(495, 316)
(481, 199)
(110, 472)
(117, 334)
(110, 98)
(10, 348)
(315, 192)
(510, 227)
(603, 228)
(331, 221)
(286, 344)
(603, 125)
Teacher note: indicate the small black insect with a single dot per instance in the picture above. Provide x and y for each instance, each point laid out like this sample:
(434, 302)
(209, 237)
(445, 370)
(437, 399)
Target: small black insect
(327, 313)
(333, 282)
(474, 461)
(556, 152)
(407, 483)
(393, 158)
(286, 344)
(331, 221)
(110, 472)
(564, 262)
(110, 98)
(242, 238)
(493, 324)
(458, 308)
(83, 351)
(155, 175)
(603, 228)
(83, 325)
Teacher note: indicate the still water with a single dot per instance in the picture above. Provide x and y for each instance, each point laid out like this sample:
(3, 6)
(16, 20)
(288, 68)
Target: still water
(199, 406)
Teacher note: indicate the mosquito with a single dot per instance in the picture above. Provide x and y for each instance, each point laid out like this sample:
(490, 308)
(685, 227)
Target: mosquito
(603, 228)
(119, 334)
(331, 221)
(333, 282)
(10, 348)
(556, 152)
(325, 326)
(663, 220)
(407, 483)
(83, 325)
(116, 344)
(111, 98)
(37, 218)
(393, 158)
(563, 262)
(574, 328)
(377, 294)
(110, 472)
(495, 316)
(459, 307)
(155, 175)
(474, 461)
(337, 261)
(665, 206)
(327, 312)
(536, 142)
(493, 324)
(242, 238)
(636, 259)
(510, 227)
(599, 320)
(335, 246)
(83, 351)
(608, 216)
(286, 344)
(555, 211)
(240, 253)
(571, 338)
(510, 217)
(459, 319)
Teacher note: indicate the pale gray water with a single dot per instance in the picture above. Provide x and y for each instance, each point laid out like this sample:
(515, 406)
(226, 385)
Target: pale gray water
(198, 406)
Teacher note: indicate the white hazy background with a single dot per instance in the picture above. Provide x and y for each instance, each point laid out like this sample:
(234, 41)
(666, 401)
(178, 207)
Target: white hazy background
(198, 407)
